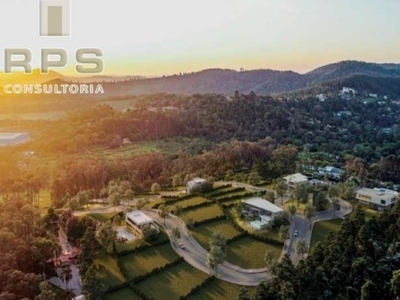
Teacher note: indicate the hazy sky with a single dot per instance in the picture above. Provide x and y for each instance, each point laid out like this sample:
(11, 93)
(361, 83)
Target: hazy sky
(153, 37)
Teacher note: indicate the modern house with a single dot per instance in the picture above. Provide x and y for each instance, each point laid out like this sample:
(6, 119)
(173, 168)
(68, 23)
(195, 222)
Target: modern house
(295, 179)
(377, 198)
(138, 220)
(195, 185)
(331, 172)
(262, 210)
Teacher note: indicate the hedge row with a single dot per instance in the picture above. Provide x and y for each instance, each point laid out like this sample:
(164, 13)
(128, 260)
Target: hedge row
(217, 190)
(234, 197)
(139, 292)
(116, 288)
(156, 270)
(174, 199)
(206, 203)
(206, 221)
(222, 193)
(198, 287)
(143, 247)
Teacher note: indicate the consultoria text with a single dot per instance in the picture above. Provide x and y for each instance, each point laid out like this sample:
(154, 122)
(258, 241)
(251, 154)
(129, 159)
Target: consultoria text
(53, 89)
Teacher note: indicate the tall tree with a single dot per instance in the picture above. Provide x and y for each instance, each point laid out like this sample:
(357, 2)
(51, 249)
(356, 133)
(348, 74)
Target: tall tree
(309, 212)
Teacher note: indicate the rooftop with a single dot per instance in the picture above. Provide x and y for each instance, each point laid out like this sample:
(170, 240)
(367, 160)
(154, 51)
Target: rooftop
(298, 177)
(139, 217)
(197, 180)
(263, 204)
(378, 193)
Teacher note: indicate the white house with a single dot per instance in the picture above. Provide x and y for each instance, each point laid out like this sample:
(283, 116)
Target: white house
(377, 198)
(295, 179)
(195, 184)
(261, 209)
(138, 220)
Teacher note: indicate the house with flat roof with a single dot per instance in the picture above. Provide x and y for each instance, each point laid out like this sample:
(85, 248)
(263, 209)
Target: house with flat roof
(262, 210)
(138, 220)
(13, 138)
(331, 172)
(377, 198)
(295, 179)
(196, 185)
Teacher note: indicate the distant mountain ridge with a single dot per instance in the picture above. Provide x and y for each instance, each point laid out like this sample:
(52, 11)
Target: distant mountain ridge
(262, 81)
(227, 81)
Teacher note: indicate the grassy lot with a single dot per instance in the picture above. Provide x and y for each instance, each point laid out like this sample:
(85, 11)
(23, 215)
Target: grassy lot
(249, 253)
(190, 202)
(322, 229)
(225, 189)
(147, 260)
(125, 293)
(172, 283)
(202, 213)
(108, 270)
(203, 233)
(219, 290)
(102, 217)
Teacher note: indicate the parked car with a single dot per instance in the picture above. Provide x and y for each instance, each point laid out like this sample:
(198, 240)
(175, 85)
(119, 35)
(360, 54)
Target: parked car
(181, 245)
(296, 233)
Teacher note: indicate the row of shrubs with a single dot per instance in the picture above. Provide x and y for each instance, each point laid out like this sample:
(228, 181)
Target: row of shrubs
(144, 247)
(234, 197)
(198, 287)
(174, 199)
(194, 206)
(227, 192)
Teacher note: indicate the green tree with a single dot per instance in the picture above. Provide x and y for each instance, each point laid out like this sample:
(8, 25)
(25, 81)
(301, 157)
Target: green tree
(301, 193)
(155, 188)
(91, 284)
(190, 223)
(280, 188)
(283, 231)
(270, 196)
(292, 210)
(106, 235)
(163, 212)
(309, 212)
(320, 200)
(46, 292)
(243, 294)
(176, 233)
(270, 260)
(301, 248)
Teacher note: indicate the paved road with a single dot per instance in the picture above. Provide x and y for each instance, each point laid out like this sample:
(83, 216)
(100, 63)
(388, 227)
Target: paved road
(196, 255)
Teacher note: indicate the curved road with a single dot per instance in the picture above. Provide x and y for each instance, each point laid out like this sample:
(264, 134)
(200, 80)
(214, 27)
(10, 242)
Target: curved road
(196, 255)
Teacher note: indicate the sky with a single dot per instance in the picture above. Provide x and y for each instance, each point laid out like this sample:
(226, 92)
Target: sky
(159, 37)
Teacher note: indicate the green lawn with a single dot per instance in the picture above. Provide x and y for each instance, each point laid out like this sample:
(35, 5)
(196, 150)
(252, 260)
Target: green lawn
(145, 261)
(123, 294)
(322, 229)
(102, 217)
(219, 290)
(108, 270)
(202, 213)
(172, 283)
(249, 253)
(239, 193)
(225, 189)
(126, 151)
(190, 202)
(203, 233)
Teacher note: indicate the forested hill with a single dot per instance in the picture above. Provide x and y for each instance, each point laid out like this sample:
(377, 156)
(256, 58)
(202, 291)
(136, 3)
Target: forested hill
(262, 82)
